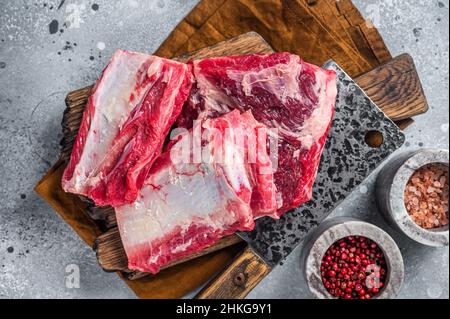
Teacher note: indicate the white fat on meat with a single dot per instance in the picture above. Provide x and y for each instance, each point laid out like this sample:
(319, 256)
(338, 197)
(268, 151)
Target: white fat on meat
(314, 126)
(176, 201)
(280, 79)
(112, 108)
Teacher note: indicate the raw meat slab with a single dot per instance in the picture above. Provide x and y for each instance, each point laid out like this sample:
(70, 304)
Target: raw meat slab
(283, 92)
(124, 125)
(186, 204)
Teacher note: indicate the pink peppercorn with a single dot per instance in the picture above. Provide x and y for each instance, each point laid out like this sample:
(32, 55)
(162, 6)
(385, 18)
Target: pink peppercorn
(345, 268)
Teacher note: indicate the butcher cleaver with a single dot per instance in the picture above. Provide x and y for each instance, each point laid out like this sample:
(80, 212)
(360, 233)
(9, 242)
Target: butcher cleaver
(346, 161)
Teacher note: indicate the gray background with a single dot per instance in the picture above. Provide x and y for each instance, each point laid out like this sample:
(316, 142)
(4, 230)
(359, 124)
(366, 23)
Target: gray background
(38, 68)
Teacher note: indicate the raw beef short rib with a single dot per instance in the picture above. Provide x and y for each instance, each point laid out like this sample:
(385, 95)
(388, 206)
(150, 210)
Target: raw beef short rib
(187, 205)
(220, 171)
(126, 120)
(284, 93)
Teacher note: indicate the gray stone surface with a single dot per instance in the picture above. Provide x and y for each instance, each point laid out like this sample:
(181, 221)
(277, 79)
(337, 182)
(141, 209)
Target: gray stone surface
(38, 68)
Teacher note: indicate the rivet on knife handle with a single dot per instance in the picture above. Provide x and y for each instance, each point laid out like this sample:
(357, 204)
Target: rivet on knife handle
(241, 276)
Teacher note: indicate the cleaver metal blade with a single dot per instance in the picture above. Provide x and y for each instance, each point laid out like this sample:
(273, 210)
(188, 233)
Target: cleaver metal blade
(347, 160)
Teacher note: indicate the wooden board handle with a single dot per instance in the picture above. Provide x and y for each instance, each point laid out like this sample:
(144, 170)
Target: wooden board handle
(395, 88)
(238, 279)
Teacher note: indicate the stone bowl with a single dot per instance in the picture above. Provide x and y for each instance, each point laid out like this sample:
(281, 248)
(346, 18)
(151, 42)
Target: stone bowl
(328, 233)
(391, 184)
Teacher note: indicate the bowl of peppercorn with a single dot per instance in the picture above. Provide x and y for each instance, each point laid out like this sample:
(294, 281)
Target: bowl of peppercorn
(412, 193)
(346, 258)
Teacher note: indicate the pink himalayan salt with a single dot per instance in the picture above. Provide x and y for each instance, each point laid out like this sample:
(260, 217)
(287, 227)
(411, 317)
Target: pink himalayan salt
(426, 196)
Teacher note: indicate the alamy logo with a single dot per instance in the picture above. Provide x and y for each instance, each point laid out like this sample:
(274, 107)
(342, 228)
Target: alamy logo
(72, 276)
(373, 16)
(230, 146)
(373, 279)
(74, 15)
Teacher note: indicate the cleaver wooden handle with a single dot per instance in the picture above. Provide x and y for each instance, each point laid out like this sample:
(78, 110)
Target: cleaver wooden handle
(238, 279)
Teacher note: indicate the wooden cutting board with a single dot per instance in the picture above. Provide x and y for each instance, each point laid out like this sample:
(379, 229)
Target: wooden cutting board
(181, 279)
(317, 30)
